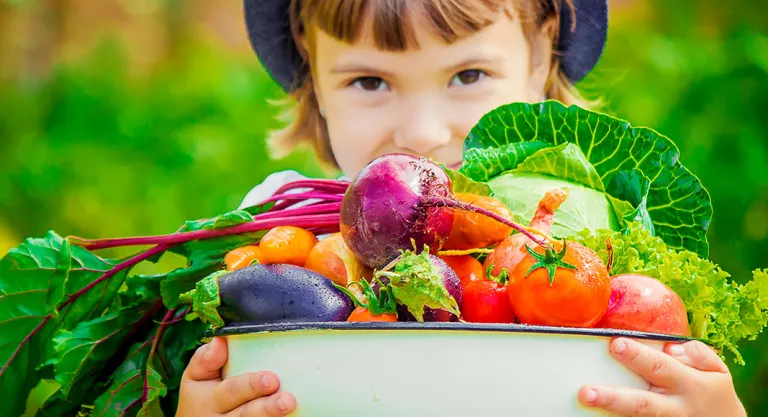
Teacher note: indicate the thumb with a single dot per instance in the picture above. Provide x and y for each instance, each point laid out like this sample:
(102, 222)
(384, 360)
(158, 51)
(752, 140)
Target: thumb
(207, 361)
(697, 355)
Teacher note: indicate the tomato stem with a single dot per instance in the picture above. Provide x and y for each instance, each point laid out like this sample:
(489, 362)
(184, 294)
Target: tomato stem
(384, 303)
(550, 260)
(502, 278)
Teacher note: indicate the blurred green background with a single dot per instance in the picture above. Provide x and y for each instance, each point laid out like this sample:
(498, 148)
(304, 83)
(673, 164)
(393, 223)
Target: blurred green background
(126, 117)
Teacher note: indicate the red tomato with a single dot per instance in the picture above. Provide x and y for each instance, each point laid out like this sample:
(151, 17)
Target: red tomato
(554, 293)
(486, 301)
(467, 267)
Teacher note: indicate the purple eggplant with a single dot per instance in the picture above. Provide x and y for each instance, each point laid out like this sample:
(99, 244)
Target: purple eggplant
(268, 294)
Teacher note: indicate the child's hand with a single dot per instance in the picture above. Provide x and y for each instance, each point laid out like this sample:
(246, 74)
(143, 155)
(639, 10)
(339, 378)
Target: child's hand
(203, 393)
(688, 380)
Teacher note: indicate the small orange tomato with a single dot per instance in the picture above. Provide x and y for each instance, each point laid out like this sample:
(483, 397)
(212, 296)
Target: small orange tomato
(242, 257)
(287, 245)
(362, 314)
(473, 230)
(332, 258)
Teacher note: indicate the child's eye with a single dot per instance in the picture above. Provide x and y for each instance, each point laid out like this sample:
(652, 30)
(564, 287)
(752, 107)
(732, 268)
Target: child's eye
(370, 84)
(468, 77)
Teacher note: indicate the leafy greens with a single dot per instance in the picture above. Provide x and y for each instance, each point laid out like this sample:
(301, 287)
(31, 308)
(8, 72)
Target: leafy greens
(110, 340)
(624, 166)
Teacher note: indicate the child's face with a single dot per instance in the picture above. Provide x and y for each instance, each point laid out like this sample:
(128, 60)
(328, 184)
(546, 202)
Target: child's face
(421, 101)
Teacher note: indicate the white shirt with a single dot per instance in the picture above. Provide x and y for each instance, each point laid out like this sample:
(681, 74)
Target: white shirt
(271, 184)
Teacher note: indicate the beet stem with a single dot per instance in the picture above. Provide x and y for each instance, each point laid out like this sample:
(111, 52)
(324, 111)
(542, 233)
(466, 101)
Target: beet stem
(318, 220)
(314, 209)
(131, 405)
(325, 185)
(155, 342)
(112, 272)
(285, 205)
(447, 202)
(456, 252)
(24, 342)
(304, 196)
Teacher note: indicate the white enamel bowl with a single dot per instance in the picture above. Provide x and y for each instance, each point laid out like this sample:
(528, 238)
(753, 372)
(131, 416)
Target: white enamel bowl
(432, 369)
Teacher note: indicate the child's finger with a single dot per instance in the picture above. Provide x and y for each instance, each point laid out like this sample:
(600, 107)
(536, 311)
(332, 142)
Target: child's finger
(234, 392)
(629, 402)
(697, 355)
(657, 367)
(207, 361)
(276, 405)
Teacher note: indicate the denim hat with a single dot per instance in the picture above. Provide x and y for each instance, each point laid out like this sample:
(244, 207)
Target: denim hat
(269, 31)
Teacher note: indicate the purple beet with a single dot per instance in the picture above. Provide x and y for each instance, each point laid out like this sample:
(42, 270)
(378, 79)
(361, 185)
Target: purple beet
(384, 210)
(402, 202)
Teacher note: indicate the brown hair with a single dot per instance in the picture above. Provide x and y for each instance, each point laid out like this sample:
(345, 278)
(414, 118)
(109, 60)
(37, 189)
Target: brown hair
(452, 19)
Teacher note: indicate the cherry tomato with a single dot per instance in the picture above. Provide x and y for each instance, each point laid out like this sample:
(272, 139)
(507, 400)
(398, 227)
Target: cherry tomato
(371, 306)
(555, 294)
(486, 301)
(332, 258)
(242, 257)
(467, 267)
(473, 230)
(362, 314)
(287, 245)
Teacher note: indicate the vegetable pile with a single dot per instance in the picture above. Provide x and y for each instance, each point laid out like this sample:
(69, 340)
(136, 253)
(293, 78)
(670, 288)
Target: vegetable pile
(557, 217)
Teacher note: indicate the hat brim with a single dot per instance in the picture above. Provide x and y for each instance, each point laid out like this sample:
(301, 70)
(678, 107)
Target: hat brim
(268, 26)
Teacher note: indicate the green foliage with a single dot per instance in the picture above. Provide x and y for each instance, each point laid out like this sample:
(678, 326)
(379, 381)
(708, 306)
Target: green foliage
(96, 151)
(93, 150)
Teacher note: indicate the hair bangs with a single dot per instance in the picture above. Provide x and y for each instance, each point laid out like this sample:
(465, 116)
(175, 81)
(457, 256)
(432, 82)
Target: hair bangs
(392, 21)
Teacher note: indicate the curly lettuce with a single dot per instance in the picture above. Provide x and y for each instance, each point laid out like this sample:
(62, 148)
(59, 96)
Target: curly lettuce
(721, 312)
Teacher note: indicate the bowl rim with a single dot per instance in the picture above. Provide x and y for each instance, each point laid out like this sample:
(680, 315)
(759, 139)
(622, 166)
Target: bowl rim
(250, 328)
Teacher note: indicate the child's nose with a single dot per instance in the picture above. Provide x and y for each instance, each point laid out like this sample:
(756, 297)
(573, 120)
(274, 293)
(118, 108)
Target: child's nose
(422, 131)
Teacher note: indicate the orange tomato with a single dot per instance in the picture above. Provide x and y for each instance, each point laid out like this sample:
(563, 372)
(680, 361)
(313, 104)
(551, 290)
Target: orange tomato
(467, 267)
(242, 257)
(568, 297)
(287, 245)
(362, 314)
(331, 257)
(473, 230)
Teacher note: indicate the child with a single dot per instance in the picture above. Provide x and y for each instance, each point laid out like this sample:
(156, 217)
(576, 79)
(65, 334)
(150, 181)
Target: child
(381, 76)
